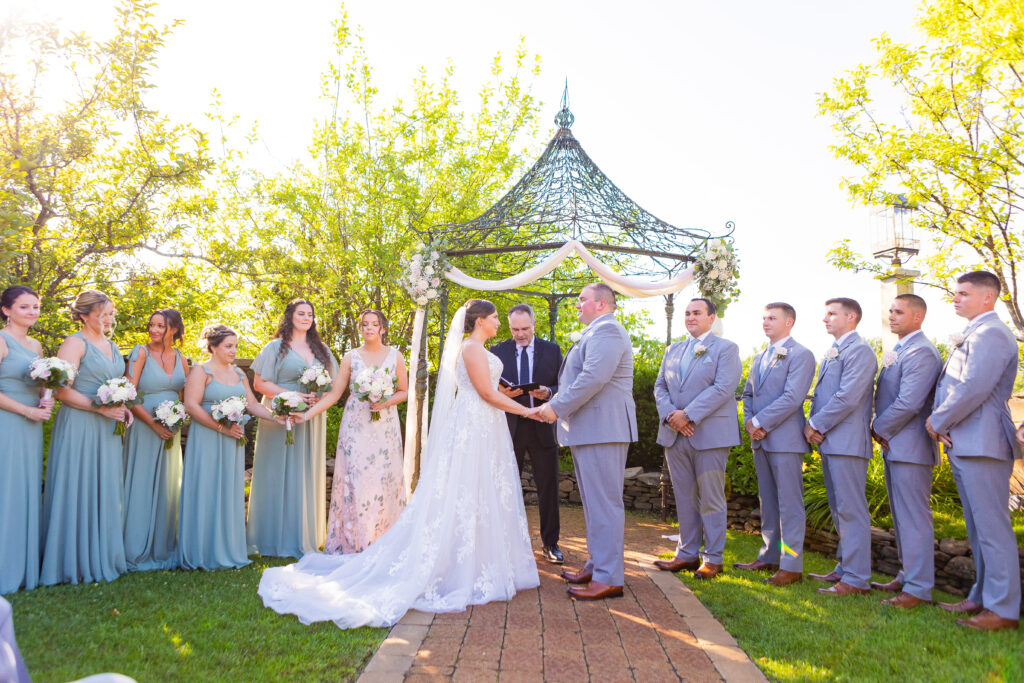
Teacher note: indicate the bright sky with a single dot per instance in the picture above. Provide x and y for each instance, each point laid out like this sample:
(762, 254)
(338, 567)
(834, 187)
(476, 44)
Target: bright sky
(702, 112)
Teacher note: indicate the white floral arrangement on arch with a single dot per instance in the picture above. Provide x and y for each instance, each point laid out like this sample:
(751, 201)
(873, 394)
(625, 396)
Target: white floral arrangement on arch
(422, 276)
(717, 272)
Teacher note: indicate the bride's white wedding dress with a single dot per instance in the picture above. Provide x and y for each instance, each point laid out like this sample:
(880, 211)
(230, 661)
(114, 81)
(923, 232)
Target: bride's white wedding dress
(462, 539)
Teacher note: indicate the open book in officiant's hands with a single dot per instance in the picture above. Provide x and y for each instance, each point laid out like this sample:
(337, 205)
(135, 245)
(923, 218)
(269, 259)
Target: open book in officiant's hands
(529, 386)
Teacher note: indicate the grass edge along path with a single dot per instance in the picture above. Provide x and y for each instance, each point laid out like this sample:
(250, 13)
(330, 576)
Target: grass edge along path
(180, 625)
(796, 634)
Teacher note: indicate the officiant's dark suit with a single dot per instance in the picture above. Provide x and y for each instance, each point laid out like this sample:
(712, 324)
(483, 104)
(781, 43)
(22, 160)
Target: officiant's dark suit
(543, 360)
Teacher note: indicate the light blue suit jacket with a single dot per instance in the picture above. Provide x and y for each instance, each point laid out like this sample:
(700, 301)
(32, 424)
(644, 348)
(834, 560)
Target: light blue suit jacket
(841, 406)
(594, 402)
(707, 393)
(973, 390)
(777, 400)
(903, 399)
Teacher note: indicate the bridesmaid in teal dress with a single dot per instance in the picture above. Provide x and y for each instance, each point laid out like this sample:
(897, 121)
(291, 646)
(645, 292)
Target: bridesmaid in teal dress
(152, 473)
(288, 496)
(211, 519)
(22, 413)
(82, 502)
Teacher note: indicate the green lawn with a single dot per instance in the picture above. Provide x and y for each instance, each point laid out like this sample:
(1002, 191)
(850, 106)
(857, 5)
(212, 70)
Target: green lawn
(178, 625)
(795, 634)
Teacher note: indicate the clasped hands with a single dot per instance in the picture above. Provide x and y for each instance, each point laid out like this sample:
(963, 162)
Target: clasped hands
(542, 413)
(679, 421)
(813, 436)
(755, 433)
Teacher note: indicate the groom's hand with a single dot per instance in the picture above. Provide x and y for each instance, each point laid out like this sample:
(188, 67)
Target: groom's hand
(546, 414)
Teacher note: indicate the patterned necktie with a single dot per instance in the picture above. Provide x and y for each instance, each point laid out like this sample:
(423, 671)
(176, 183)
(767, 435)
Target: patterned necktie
(767, 362)
(899, 345)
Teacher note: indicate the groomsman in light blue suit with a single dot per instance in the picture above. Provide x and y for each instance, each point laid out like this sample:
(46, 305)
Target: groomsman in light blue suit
(696, 397)
(972, 419)
(903, 400)
(773, 401)
(840, 426)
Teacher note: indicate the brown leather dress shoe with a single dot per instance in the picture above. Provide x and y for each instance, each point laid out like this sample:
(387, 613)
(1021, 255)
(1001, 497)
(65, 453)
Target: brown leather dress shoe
(893, 586)
(987, 620)
(756, 566)
(904, 600)
(963, 607)
(707, 571)
(784, 578)
(595, 590)
(841, 589)
(582, 576)
(676, 565)
(832, 577)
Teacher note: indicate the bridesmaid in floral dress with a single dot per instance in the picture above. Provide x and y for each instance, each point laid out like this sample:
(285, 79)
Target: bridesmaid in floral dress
(368, 492)
(152, 473)
(22, 413)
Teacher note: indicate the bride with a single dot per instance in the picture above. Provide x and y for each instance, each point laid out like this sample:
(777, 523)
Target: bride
(462, 539)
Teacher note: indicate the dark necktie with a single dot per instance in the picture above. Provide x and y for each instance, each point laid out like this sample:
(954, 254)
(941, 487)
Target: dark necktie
(524, 370)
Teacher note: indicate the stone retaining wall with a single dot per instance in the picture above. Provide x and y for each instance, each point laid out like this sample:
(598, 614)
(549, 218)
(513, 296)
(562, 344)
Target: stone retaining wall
(954, 562)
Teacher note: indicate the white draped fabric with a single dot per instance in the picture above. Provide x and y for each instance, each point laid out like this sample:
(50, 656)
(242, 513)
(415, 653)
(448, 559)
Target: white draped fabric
(627, 286)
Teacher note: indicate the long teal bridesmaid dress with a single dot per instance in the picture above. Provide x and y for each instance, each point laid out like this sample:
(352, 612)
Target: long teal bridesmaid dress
(21, 474)
(84, 478)
(152, 475)
(211, 518)
(288, 495)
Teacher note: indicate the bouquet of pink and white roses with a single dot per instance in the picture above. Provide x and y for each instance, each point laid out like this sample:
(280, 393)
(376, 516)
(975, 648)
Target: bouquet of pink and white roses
(315, 379)
(374, 385)
(171, 416)
(283, 405)
(118, 391)
(232, 411)
(51, 373)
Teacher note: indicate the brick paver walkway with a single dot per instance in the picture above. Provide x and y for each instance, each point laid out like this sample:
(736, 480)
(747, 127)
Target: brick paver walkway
(658, 631)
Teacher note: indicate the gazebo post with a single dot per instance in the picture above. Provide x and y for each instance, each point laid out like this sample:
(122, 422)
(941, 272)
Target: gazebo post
(552, 315)
(421, 394)
(670, 308)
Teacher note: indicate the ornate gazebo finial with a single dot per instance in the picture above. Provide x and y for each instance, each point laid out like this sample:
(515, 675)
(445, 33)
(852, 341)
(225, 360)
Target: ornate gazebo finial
(564, 117)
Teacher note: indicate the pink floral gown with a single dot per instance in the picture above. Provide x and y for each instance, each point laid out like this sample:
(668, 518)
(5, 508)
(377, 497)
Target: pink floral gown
(368, 492)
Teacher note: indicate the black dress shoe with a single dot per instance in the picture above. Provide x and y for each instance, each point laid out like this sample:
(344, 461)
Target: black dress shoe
(552, 554)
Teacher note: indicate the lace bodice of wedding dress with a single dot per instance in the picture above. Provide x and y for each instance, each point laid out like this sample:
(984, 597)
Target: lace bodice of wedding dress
(462, 539)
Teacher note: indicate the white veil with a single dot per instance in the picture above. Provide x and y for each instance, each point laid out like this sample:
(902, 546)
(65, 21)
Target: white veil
(444, 392)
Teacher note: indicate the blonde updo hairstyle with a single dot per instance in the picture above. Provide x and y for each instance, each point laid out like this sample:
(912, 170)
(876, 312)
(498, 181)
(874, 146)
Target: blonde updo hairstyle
(214, 335)
(86, 302)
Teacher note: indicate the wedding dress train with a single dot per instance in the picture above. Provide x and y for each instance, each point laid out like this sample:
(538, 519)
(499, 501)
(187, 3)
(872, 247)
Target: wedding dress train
(462, 539)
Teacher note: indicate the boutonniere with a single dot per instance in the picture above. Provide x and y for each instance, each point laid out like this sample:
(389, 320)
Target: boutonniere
(832, 353)
(699, 350)
(957, 339)
(781, 353)
(888, 358)
(575, 336)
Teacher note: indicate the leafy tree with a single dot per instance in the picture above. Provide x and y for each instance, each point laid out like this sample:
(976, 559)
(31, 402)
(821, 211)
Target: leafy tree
(93, 182)
(956, 146)
(339, 230)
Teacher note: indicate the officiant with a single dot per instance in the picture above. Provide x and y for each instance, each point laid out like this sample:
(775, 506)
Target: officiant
(530, 360)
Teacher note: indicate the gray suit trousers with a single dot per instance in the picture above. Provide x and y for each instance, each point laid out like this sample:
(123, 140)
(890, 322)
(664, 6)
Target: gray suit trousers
(846, 475)
(698, 482)
(910, 486)
(984, 486)
(780, 486)
(600, 470)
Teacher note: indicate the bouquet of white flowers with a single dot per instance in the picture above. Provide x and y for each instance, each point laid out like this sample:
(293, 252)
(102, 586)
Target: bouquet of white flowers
(118, 391)
(52, 373)
(285, 403)
(315, 379)
(172, 416)
(231, 411)
(374, 385)
(422, 276)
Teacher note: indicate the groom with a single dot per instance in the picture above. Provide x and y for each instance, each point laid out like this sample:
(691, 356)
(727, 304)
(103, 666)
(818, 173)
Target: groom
(597, 420)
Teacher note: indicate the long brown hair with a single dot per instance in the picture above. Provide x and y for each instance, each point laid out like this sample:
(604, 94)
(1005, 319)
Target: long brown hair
(286, 327)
